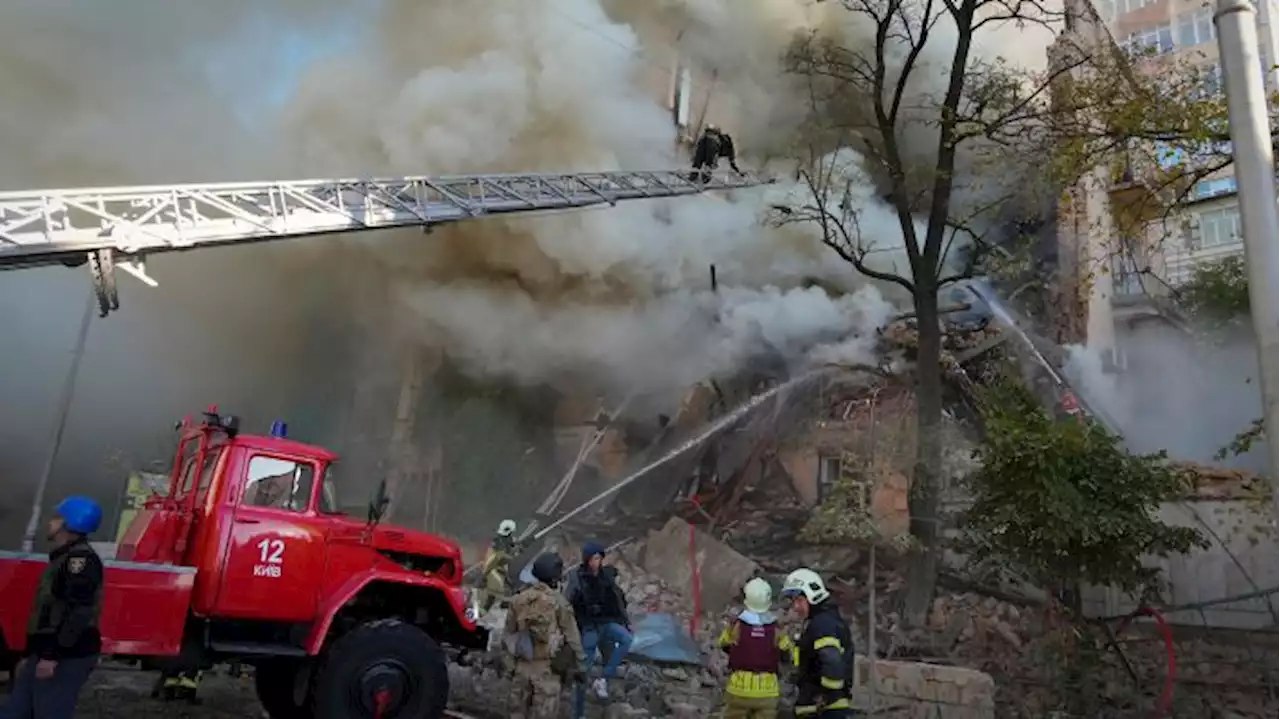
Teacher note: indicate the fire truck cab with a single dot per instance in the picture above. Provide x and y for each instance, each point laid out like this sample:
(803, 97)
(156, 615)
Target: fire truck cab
(249, 559)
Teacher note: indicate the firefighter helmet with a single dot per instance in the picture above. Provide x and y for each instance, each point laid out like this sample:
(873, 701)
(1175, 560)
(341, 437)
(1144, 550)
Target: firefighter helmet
(805, 582)
(506, 528)
(757, 596)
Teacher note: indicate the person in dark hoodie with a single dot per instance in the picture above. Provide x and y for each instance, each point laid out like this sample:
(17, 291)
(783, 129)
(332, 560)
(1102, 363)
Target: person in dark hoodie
(600, 606)
(713, 145)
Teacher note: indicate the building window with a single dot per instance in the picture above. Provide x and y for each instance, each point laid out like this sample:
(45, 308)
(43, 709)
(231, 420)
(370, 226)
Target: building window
(1169, 156)
(279, 484)
(1158, 40)
(1213, 188)
(831, 471)
(828, 475)
(1195, 28)
(681, 95)
(1126, 280)
(1125, 6)
(1216, 228)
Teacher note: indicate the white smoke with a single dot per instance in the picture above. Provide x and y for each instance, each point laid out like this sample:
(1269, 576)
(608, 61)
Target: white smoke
(1179, 393)
(154, 92)
(616, 299)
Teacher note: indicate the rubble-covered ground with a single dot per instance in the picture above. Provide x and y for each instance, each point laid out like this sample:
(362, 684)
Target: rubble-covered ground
(1015, 640)
(1220, 677)
(122, 692)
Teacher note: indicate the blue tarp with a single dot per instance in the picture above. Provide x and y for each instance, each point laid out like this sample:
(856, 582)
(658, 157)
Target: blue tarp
(662, 638)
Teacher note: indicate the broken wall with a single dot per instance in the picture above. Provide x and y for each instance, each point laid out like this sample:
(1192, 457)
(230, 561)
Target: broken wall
(1229, 585)
(874, 429)
(722, 570)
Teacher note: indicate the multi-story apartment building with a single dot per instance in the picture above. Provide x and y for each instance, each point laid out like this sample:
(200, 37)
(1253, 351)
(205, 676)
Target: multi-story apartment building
(1122, 254)
(1208, 227)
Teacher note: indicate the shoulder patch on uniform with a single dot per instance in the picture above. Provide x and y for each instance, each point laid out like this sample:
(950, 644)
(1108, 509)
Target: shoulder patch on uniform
(75, 565)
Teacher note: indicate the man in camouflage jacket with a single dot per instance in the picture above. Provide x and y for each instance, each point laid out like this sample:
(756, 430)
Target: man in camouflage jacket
(543, 637)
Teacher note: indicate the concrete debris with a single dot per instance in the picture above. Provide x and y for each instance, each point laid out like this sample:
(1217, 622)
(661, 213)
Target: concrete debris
(721, 570)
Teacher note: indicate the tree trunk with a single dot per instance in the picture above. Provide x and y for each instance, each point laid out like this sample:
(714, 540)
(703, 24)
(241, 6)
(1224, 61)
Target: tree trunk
(926, 485)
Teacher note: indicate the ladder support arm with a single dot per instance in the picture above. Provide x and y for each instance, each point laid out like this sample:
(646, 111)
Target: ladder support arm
(44, 227)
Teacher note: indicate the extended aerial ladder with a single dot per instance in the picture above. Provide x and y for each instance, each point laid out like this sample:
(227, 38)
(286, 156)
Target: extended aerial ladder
(118, 227)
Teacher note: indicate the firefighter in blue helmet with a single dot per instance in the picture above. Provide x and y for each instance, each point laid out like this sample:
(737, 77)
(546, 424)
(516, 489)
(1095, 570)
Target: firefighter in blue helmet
(63, 642)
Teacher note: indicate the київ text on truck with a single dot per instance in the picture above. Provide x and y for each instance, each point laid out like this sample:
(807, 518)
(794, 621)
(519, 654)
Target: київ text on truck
(248, 559)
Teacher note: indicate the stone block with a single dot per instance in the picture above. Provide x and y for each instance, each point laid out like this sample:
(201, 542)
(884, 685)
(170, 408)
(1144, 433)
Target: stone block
(927, 691)
(722, 570)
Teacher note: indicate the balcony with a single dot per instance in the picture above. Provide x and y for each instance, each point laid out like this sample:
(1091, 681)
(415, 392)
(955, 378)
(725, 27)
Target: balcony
(1135, 193)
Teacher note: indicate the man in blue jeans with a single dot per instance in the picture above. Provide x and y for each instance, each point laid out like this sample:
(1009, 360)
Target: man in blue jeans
(601, 610)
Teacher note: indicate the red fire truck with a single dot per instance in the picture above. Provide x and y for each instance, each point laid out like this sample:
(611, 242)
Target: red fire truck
(248, 559)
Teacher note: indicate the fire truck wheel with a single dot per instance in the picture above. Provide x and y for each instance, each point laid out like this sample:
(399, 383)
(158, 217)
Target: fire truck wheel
(277, 684)
(385, 669)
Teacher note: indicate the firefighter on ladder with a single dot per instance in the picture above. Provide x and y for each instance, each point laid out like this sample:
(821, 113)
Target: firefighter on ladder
(713, 145)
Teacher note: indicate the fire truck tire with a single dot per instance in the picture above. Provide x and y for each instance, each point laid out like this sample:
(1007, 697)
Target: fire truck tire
(276, 683)
(385, 669)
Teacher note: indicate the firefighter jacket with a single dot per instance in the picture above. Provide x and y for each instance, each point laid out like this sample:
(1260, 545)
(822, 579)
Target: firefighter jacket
(539, 623)
(711, 147)
(728, 152)
(707, 150)
(64, 613)
(825, 678)
(756, 645)
(497, 564)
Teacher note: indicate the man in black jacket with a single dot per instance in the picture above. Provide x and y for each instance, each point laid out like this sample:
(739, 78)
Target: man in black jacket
(63, 642)
(825, 680)
(600, 607)
(713, 145)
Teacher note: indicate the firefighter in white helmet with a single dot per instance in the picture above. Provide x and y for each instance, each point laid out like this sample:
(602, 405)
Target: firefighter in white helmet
(756, 646)
(825, 647)
(497, 563)
(713, 145)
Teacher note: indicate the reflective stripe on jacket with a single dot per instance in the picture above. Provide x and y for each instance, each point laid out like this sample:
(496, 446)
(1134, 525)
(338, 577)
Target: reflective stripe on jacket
(826, 661)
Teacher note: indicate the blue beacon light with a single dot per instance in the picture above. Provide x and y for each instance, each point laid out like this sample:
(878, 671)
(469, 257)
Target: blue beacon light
(279, 429)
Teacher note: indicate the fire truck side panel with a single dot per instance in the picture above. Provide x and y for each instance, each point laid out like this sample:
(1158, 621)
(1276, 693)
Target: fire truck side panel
(144, 606)
(149, 537)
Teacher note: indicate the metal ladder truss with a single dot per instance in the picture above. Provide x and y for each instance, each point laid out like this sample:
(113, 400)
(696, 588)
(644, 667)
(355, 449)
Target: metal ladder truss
(117, 227)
